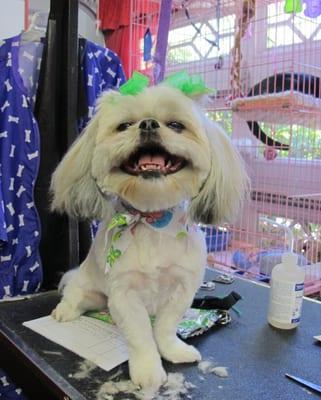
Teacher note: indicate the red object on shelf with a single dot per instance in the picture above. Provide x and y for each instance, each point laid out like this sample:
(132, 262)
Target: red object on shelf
(124, 23)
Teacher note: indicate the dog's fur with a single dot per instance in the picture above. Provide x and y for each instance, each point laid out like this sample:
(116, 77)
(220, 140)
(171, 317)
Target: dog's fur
(157, 274)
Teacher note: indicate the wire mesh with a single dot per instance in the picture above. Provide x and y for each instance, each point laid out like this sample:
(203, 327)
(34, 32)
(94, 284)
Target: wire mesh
(265, 66)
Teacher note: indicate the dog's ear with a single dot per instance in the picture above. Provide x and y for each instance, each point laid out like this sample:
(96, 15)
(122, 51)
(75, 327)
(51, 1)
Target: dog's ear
(73, 188)
(221, 195)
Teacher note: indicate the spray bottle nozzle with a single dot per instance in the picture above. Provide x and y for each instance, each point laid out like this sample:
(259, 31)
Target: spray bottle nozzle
(290, 258)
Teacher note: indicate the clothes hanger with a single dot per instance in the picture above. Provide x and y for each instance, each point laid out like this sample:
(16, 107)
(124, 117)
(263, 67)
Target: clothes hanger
(37, 28)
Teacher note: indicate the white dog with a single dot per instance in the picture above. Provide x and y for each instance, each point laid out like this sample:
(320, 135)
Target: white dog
(146, 165)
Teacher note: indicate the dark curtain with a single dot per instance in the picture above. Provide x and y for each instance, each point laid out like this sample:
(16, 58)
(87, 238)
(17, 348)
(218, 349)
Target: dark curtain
(56, 114)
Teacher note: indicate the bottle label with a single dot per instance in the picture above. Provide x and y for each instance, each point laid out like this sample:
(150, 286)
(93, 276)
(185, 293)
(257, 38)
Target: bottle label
(299, 286)
(286, 302)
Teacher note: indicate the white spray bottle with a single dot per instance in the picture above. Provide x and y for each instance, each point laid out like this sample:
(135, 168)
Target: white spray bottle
(287, 286)
(286, 293)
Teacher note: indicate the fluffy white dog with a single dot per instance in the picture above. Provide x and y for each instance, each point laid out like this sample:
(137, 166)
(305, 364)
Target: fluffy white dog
(147, 166)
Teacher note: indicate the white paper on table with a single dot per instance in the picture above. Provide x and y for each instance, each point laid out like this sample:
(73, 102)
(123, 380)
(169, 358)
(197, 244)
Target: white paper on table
(90, 338)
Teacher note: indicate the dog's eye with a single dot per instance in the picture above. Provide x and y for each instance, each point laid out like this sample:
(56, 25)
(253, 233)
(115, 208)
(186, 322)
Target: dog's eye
(176, 126)
(123, 126)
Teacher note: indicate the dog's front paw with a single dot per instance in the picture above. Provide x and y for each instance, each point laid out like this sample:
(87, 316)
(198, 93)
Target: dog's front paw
(65, 312)
(146, 370)
(177, 351)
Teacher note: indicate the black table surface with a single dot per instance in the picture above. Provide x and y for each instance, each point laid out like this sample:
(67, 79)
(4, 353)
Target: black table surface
(257, 356)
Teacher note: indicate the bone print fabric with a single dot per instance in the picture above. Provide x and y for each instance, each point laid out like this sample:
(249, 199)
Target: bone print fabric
(20, 264)
(8, 390)
(102, 71)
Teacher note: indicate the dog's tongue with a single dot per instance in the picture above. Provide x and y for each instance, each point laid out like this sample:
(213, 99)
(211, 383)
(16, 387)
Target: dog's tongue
(151, 161)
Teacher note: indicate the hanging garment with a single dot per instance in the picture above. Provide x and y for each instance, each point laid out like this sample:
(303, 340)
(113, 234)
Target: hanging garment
(20, 266)
(102, 70)
(3, 226)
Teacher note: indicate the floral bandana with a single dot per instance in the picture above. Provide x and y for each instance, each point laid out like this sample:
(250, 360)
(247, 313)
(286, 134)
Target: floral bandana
(122, 227)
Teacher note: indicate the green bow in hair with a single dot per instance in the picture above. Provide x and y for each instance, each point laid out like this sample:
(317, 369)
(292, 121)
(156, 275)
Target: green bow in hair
(135, 84)
(293, 6)
(190, 85)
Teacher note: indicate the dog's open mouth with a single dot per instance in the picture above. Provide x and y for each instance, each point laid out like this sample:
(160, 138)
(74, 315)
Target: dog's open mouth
(152, 161)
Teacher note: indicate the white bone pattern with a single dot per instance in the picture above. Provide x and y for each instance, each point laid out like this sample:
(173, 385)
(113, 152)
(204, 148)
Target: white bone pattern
(20, 191)
(28, 249)
(34, 267)
(8, 85)
(24, 101)
(12, 150)
(27, 135)
(11, 186)
(20, 170)
(90, 80)
(5, 258)
(10, 228)
(7, 290)
(21, 219)
(25, 286)
(12, 118)
(10, 208)
(111, 72)
(32, 155)
(6, 104)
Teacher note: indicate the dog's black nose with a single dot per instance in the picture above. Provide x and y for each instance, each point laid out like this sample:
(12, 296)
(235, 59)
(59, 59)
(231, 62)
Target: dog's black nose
(148, 125)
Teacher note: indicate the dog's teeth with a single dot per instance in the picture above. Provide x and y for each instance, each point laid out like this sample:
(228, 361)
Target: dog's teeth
(150, 167)
(169, 164)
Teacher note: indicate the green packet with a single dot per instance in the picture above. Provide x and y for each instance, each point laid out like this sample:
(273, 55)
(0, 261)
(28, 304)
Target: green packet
(195, 321)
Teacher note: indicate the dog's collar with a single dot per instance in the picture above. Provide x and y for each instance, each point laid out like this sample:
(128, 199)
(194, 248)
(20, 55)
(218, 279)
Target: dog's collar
(158, 219)
(123, 224)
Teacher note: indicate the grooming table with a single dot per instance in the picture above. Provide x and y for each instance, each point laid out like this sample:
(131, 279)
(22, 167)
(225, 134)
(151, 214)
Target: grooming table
(257, 356)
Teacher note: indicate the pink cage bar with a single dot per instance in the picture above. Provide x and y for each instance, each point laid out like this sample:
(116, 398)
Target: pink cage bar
(265, 66)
